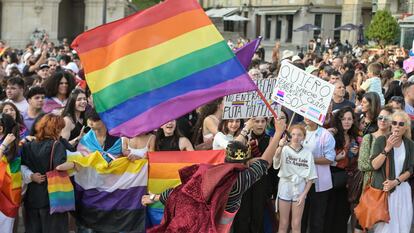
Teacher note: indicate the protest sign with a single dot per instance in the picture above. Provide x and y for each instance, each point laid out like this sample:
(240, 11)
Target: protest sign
(303, 93)
(249, 104)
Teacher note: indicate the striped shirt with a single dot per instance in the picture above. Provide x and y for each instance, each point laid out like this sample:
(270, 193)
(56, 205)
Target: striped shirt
(244, 181)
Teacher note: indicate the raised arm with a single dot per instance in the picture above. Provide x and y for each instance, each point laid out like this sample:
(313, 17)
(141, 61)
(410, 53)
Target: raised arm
(280, 126)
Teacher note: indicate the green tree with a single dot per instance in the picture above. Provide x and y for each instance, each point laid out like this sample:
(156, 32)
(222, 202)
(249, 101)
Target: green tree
(143, 4)
(383, 28)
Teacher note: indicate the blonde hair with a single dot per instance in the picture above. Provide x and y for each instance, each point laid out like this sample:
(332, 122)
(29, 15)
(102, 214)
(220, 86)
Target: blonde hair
(407, 122)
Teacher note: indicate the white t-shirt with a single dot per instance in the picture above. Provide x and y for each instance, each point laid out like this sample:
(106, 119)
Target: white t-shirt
(22, 105)
(294, 165)
(374, 85)
(399, 158)
(221, 141)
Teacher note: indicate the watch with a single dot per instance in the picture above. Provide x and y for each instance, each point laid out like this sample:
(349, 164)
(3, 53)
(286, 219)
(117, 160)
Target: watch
(398, 180)
(152, 197)
(385, 153)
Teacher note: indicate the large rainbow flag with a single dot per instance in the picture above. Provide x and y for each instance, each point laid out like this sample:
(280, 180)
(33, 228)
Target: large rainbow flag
(10, 187)
(108, 195)
(163, 173)
(156, 65)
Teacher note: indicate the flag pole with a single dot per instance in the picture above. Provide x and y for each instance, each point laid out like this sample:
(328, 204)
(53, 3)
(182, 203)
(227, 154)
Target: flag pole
(266, 103)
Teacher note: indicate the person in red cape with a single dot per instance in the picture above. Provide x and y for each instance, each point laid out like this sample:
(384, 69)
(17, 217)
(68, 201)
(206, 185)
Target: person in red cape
(210, 195)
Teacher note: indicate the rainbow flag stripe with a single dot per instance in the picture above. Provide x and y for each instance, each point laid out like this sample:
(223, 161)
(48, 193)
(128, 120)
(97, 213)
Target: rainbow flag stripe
(167, 59)
(163, 173)
(10, 187)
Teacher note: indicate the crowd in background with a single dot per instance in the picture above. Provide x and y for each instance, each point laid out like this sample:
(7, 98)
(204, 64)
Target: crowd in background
(45, 99)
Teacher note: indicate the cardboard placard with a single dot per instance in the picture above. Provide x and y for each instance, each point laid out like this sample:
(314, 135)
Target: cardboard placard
(249, 104)
(303, 93)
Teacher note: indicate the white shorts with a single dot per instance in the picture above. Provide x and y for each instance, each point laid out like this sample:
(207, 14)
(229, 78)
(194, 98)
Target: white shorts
(286, 190)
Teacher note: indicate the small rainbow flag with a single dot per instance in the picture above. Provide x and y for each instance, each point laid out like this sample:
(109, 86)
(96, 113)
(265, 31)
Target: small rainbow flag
(163, 173)
(10, 187)
(156, 65)
(237, 103)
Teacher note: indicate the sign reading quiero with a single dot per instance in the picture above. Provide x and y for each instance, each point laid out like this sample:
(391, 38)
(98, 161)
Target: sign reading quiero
(303, 93)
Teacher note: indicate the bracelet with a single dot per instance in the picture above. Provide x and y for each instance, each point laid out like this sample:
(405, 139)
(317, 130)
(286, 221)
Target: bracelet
(398, 180)
(244, 132)
(385, 153)
(5, 147)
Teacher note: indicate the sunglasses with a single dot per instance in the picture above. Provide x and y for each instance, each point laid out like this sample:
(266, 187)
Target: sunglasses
(399, 123)
(383, 118)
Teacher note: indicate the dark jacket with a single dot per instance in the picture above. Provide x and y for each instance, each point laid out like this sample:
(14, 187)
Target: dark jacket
(36, 156)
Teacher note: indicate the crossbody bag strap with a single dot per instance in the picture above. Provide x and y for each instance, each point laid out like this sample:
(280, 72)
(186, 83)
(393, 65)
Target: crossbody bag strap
(51, 156)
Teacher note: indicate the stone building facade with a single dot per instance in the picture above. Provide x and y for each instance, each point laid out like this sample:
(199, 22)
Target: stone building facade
(58, 18)
(277, 19)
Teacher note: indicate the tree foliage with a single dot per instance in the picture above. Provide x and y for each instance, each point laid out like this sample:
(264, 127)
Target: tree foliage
(383, 28)
(143, 4)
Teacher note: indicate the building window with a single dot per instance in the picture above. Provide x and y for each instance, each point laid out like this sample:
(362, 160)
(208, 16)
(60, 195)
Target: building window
(268, 25)
(290, 28)
(337, 34)
(318, 22)
(228, 26)
(278, 27)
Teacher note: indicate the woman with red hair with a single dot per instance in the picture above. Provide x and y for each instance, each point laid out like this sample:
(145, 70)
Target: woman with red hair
(36, 156)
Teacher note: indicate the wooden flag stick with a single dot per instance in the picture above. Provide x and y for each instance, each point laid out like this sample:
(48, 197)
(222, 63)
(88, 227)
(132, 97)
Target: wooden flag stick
(267, 103)
(291, 120)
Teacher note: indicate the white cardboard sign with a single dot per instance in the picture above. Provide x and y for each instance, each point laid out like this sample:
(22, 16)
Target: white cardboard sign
(303, 93)
(249, 104)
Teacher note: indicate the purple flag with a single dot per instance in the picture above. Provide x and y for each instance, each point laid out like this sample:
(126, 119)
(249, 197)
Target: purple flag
(245, 53)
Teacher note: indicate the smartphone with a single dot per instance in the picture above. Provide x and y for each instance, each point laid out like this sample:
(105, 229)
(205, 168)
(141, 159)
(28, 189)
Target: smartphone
(86, 129)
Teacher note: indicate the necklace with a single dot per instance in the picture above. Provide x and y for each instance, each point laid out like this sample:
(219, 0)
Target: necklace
(311, 135)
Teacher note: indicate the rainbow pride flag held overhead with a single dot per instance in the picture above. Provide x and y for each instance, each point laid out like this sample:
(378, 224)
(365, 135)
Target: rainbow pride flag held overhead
(163, 173)
(157, 65)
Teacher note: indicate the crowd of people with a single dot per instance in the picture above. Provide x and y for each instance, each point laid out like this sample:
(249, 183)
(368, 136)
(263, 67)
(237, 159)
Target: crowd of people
(308, 173)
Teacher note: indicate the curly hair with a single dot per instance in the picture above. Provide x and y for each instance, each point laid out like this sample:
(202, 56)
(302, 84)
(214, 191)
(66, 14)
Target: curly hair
(51, 84)
(49, 127)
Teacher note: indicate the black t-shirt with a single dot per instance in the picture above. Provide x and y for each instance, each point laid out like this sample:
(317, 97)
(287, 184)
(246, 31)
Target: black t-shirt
(26, 71)
(36, 156)
(343, 104)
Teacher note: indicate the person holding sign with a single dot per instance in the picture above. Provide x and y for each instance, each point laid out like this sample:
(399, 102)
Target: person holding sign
(297, 173)
(250, 216)
(229, 130)
(322, 144)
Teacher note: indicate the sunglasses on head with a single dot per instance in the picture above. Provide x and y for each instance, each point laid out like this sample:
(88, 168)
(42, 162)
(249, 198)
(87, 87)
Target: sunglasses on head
(399, 123)
(383, 118)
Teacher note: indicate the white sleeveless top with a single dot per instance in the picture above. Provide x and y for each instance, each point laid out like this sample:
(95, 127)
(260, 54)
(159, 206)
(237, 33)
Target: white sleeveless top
(139, 152)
